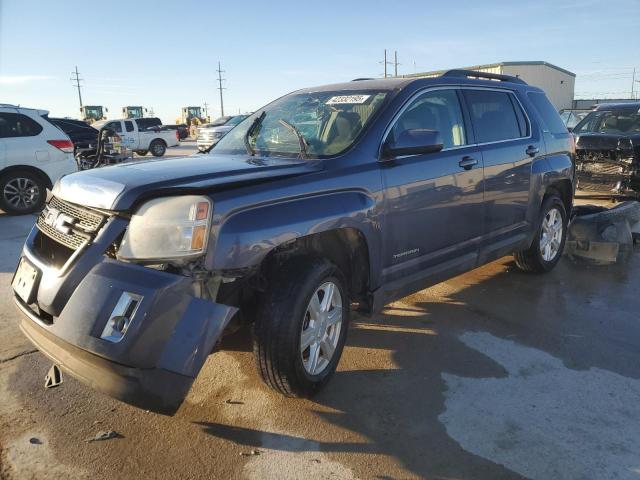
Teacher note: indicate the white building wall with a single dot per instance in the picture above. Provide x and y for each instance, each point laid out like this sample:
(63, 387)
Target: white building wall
(558, 85)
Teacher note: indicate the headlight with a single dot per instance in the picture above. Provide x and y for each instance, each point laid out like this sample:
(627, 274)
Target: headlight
(168, 229)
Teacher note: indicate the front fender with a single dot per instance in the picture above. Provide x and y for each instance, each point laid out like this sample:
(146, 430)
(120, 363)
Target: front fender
(246, 237)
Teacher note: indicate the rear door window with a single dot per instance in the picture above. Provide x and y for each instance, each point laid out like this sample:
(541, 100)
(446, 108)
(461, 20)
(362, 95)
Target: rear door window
(550, 117)
(128, 125)
(496, 116)
(18, 125)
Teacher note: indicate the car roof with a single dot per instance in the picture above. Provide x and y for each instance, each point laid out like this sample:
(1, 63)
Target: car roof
(617, 106)
(452, 77)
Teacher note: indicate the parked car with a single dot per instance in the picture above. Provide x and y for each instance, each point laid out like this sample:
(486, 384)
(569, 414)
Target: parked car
(399, 184)
(34, 154)
(211, 133)
(608, 150)
(571, 117)
(181, 128)
(81, 133)
(139, 136)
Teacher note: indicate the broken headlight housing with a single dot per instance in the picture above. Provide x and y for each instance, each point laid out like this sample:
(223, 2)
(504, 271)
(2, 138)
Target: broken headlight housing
(168, 229)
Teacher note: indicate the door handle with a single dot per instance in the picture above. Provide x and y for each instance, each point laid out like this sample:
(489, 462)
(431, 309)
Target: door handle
(532, 151)
(467, 162)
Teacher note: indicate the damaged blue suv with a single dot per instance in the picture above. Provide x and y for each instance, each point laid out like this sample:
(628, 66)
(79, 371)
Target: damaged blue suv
(328, 199)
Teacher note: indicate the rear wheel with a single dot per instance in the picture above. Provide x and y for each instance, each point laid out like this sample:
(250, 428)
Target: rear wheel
(22, 192)
(301, 327)
(547, 246)
(157, 148)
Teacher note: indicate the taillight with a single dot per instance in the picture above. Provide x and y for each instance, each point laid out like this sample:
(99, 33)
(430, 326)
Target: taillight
(65, 145)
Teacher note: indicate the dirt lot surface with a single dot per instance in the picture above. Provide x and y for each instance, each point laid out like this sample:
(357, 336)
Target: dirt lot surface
(492, 375)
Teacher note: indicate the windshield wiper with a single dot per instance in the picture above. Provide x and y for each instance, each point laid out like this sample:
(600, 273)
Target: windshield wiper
(256, 123)
(301, 140)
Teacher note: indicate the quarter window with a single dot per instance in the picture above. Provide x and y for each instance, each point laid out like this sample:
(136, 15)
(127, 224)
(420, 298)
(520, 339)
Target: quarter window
(548, 113)
(495, 115)
(18, 125)
(435, 110)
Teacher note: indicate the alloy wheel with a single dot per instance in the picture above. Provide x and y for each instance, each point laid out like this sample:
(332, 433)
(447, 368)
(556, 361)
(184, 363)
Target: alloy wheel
(21, 193)
(321, 328)
(551, 235)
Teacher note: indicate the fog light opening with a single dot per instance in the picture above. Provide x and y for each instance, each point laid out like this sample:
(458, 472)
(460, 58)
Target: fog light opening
(121, 317)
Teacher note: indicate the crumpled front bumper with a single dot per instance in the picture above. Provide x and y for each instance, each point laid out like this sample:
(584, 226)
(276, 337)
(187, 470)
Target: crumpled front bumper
(168, 340)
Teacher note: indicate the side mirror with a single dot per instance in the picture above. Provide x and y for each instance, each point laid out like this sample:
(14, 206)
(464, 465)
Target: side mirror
(415, 141)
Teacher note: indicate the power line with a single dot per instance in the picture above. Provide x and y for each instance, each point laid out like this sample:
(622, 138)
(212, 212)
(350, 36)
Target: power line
(220, 87)
(77, 81)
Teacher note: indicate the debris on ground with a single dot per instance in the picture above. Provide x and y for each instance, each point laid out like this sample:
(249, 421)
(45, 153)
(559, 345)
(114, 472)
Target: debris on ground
(233, 402)
(35, 441)
(104, 435)
(603, 236)
(53, 378)
(249, 454)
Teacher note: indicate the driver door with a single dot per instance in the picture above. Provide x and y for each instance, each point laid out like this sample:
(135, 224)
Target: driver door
(433, 202)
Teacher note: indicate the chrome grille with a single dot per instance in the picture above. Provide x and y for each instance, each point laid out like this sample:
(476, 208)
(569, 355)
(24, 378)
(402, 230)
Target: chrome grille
(81, 228)
(86, 220)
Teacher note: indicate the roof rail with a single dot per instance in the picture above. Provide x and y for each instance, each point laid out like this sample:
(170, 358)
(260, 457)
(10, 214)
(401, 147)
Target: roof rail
(483, 75)
(9, 105)
(361, 79)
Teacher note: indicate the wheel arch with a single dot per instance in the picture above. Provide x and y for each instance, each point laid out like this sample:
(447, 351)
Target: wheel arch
(28, 168)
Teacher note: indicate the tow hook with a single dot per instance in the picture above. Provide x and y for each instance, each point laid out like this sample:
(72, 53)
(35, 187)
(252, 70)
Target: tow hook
(54, 377)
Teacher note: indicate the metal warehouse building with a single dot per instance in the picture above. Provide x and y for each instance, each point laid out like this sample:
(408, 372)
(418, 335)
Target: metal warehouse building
(557, 82)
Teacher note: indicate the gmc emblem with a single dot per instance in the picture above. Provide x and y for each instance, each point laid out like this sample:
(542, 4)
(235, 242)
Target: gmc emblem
(58, 220)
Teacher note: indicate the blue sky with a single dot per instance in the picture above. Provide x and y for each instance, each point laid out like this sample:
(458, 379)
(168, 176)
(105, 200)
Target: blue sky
(163, 54)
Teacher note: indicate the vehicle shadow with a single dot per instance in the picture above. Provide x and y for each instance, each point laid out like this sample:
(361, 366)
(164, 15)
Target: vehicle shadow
(392, 392)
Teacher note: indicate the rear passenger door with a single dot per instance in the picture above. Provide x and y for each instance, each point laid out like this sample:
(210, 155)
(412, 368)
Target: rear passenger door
(503, 131)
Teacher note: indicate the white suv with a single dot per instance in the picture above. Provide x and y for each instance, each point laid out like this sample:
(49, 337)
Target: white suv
(34, 154)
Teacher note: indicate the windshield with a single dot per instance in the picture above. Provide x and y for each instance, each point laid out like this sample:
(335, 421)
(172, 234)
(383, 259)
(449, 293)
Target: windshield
(236, 120)
(616, 122)
(313, 125)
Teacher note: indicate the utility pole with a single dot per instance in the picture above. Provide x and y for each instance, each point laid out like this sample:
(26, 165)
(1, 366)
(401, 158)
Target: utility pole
(206, 110)
(77, 81)
(220, 79)
(633, 84)
(395, 63)
(385, 63)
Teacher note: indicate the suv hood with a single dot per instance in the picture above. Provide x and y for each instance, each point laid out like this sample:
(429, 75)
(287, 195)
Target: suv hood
(118, 187)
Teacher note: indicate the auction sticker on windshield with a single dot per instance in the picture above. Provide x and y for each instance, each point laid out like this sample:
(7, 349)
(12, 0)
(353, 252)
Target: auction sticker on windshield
(347, 99)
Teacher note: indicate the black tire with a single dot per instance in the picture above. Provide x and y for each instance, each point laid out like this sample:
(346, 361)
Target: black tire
(280, 316)
(532, 260)
(158, 148)
(142, 153)
(15, 200)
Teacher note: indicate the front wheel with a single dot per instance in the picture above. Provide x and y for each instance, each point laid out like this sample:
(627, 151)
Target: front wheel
(547, 246)
(157, 148)
(142, 153)
(301, 326)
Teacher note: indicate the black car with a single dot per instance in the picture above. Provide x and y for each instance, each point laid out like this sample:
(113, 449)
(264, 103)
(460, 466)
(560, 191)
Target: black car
(608, 150)
(80, 133)
(182, 129)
